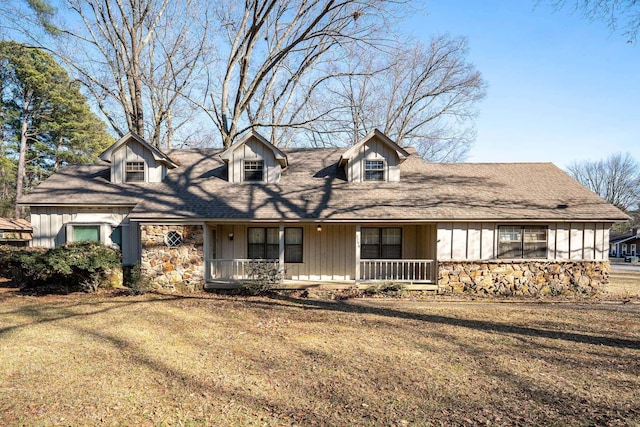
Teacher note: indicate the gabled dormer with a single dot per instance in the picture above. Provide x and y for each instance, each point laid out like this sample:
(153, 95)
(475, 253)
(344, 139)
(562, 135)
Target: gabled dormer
(135, 160)
(374, 158)
(254, 159)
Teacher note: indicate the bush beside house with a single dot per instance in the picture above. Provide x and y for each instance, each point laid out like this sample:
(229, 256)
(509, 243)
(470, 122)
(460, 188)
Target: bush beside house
(63, 269)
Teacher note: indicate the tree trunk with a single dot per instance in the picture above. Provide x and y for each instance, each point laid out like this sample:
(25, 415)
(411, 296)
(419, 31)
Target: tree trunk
(23, 152)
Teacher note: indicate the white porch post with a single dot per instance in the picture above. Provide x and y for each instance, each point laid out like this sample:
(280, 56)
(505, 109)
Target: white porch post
(357, 253)
(206, 251)
(281, 249)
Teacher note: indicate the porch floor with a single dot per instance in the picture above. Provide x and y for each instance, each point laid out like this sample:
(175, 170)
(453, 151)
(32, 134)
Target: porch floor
(322, 285)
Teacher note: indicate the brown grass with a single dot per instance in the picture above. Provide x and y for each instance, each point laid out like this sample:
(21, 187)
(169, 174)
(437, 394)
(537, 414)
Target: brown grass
(216, 360)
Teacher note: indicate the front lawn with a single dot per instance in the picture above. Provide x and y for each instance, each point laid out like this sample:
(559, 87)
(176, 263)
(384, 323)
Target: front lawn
(217, 360)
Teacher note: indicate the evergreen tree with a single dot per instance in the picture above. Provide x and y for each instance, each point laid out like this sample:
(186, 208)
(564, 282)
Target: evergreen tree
(46, 121)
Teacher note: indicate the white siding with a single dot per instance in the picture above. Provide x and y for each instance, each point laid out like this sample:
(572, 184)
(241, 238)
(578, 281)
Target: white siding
(477, 241)
(133, 151)
(551, 241)
(374, 150)
(445, 236)
(50, 227)
(474, 241)
(488, 241)
(253, 149)
(589, 242)
(460, 241)
(562, 241)
(576, 241)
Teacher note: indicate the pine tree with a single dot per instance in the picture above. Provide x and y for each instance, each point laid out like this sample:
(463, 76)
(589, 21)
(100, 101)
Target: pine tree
(46, 121)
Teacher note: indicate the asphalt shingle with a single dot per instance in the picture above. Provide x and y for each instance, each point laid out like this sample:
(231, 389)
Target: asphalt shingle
(313, 187)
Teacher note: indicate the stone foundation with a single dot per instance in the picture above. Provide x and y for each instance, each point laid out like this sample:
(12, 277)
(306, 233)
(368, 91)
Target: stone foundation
(522, 277)
(180, 267)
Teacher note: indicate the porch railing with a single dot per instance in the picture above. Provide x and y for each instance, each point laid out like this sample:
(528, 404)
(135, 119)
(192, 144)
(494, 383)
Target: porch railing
(235, 269)
(399, 270)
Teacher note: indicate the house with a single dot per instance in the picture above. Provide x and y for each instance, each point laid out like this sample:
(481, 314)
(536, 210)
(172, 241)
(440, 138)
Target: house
(15, 232)
(626, 245)
(336, 217)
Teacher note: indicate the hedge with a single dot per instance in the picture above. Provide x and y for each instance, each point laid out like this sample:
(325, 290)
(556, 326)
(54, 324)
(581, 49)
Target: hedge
(70, 268)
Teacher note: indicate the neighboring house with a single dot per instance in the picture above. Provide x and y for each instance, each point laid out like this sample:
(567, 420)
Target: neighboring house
(627, 245)
(15, 232)
(373, 212)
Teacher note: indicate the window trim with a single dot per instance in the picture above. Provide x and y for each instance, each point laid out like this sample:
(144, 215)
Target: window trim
(135, 170)
(248, 162)
(266, 244)
(523, 228)
(301, 245)
(380, 245)
(368, 169)
(102, 231)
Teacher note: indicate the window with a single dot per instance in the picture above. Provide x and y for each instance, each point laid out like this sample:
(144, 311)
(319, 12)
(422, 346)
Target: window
(134, 172)
(381, 243)
(624, 249)
(633, 249)
(86, 233)
(517, 241)
(374, 170)
(293, 245)
(253, 170)
(263, 243)
(173, 239)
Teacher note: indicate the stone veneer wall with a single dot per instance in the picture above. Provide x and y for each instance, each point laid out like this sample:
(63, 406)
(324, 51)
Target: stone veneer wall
(180, 268)
(523, 277)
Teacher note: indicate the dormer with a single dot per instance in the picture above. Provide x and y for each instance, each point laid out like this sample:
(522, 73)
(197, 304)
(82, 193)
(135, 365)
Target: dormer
(374, 158)
(135, 160)
(254, 159)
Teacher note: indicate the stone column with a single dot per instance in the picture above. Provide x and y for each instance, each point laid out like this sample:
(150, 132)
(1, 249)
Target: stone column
(173, 256)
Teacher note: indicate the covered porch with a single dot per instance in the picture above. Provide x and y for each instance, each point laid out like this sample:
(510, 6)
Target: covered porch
(321, 254)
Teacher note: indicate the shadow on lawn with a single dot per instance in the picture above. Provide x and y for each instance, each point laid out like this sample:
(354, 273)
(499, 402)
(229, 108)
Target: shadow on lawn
(480, 325)
(342, 306)
(209, 387)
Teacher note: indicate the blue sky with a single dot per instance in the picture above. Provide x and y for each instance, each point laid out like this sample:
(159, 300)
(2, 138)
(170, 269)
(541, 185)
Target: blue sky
(560, 87)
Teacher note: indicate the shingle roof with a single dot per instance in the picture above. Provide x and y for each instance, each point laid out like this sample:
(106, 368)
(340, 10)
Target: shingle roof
(12, 224)
(313, 187)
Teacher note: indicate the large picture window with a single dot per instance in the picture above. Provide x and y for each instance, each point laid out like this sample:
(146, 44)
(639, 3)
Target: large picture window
(381, 243)
(134, 172)
(253, 170)
(522, 241)
(293, 244)
(374, 170)
(263, 243)
(86, 233)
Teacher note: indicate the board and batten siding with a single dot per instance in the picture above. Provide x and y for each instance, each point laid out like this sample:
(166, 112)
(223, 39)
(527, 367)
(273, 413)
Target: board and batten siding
(329, 254)
(254, 150)
(374, 150)
(133, 151)
(50, 227)
(478, 241)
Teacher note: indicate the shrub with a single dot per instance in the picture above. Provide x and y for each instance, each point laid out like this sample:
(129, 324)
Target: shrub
(387, 289)
(70, 268)
(133, 279)
(263, 276)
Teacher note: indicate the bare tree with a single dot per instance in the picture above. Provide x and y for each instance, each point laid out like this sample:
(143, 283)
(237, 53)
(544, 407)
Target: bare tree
(618, 14)
(423, 96)
(136, 58)
(616, 179)
(273, 54)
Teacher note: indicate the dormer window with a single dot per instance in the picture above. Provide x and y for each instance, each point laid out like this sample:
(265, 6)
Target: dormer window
(374, 170)
(253, 170)
(134, 172)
